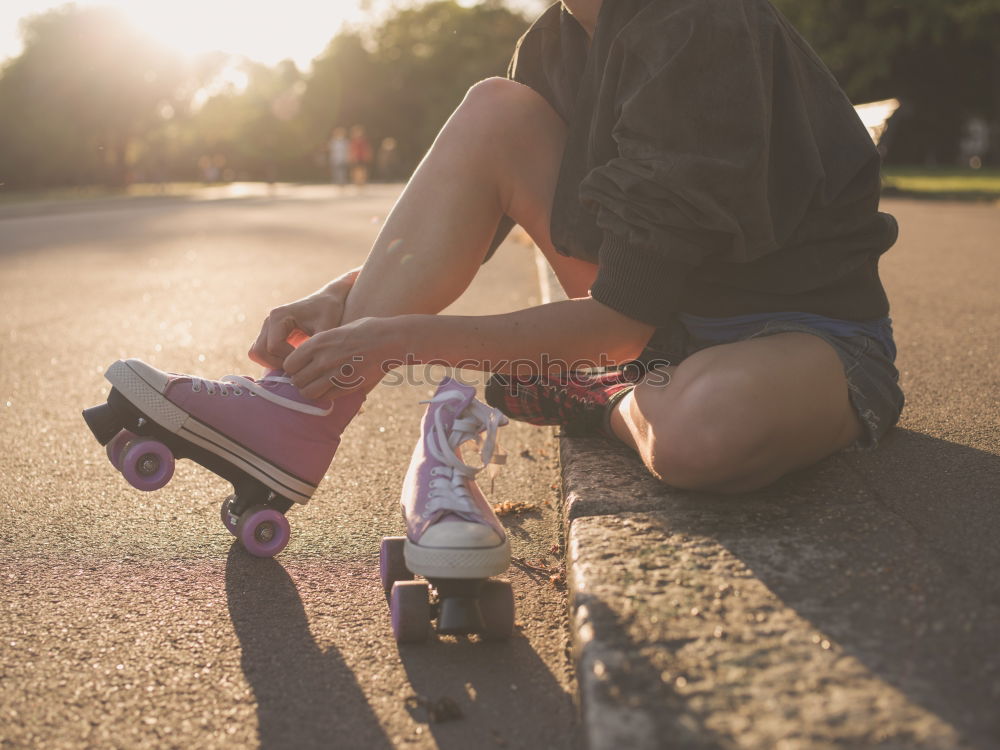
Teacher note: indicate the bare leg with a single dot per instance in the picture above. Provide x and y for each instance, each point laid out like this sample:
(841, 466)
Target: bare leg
(498, 154)
(733, 418)
(737, 417)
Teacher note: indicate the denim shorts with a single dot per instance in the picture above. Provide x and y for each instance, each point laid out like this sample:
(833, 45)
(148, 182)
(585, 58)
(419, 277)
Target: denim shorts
(866, 350)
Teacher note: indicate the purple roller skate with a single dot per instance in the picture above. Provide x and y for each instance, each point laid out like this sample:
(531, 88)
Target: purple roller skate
(453, 538)
(271, 443)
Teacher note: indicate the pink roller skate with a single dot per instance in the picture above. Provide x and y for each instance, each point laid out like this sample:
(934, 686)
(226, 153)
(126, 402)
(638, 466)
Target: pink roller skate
(272, 444)
(453, 537)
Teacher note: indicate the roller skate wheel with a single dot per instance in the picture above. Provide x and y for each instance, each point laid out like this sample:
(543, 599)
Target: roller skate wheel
(263, 532)
(409, 604)
(116, 448)
(496, 603)
(391, 565)
(147, 464)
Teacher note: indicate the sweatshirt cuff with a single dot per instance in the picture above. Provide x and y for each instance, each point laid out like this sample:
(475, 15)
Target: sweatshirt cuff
(638, 284)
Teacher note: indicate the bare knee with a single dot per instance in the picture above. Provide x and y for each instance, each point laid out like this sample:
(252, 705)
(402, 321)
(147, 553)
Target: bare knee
(518, 137)
(693, 461)
(690, 445)
(739, 416)
(496, 94)
(489, 88)
(506, 113)
(696, 457)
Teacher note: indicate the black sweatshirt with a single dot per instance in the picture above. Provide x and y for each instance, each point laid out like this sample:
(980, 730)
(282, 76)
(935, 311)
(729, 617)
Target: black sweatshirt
(713, 165)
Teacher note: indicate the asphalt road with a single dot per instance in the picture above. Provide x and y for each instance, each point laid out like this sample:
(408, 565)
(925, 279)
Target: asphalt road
(133, 620)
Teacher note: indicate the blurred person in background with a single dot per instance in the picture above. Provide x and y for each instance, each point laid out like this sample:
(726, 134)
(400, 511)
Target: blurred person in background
(360, 155)
(339, 155)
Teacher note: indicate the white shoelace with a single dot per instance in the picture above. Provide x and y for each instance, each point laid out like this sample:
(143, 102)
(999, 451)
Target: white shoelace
(449, 489)
(238, 384)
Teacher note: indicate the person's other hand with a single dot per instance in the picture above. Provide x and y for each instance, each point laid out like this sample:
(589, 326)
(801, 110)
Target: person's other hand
(287, 326)
(351, 357)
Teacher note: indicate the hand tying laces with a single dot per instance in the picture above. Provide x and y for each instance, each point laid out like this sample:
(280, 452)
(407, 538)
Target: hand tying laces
(449, 489)
(239, 384)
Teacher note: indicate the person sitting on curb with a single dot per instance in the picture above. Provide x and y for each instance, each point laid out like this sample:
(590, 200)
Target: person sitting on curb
(708, 200)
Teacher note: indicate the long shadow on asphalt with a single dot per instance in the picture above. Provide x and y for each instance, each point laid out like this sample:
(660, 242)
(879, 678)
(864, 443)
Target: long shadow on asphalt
(487, 683)
(893, 555)
(948, 492)
(305, 697)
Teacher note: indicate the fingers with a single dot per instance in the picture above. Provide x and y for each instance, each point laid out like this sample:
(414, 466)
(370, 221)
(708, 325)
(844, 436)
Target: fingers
(297, 338)
(308, 367)
(311, 379)
(324, 386)
(318, 369)
(315, 381)
(278, 337)
(278, 330)
(258, 351)
(300, 357)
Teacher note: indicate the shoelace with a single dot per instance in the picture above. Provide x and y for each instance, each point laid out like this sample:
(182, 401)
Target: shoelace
(239, 383)
(449, 489)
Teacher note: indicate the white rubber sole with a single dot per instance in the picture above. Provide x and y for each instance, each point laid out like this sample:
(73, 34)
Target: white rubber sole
(456, 562)
(147, 398)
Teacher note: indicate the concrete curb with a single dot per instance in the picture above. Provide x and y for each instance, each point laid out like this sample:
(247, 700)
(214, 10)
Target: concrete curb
(807, 615)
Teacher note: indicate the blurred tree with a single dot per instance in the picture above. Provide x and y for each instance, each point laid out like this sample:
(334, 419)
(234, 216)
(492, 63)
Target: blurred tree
(429, 56)
(347, 86)
(941, 59)
(75, 100)
(97, 102)
(90, 100)
(251, 132)
(405, 77)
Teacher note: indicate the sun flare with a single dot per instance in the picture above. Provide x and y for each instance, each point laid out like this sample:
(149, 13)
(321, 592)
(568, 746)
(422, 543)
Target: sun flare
(265, 32)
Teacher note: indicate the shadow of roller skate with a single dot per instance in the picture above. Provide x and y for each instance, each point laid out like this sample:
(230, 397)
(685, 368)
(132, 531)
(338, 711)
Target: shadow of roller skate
(305, 696)
(473, 694)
